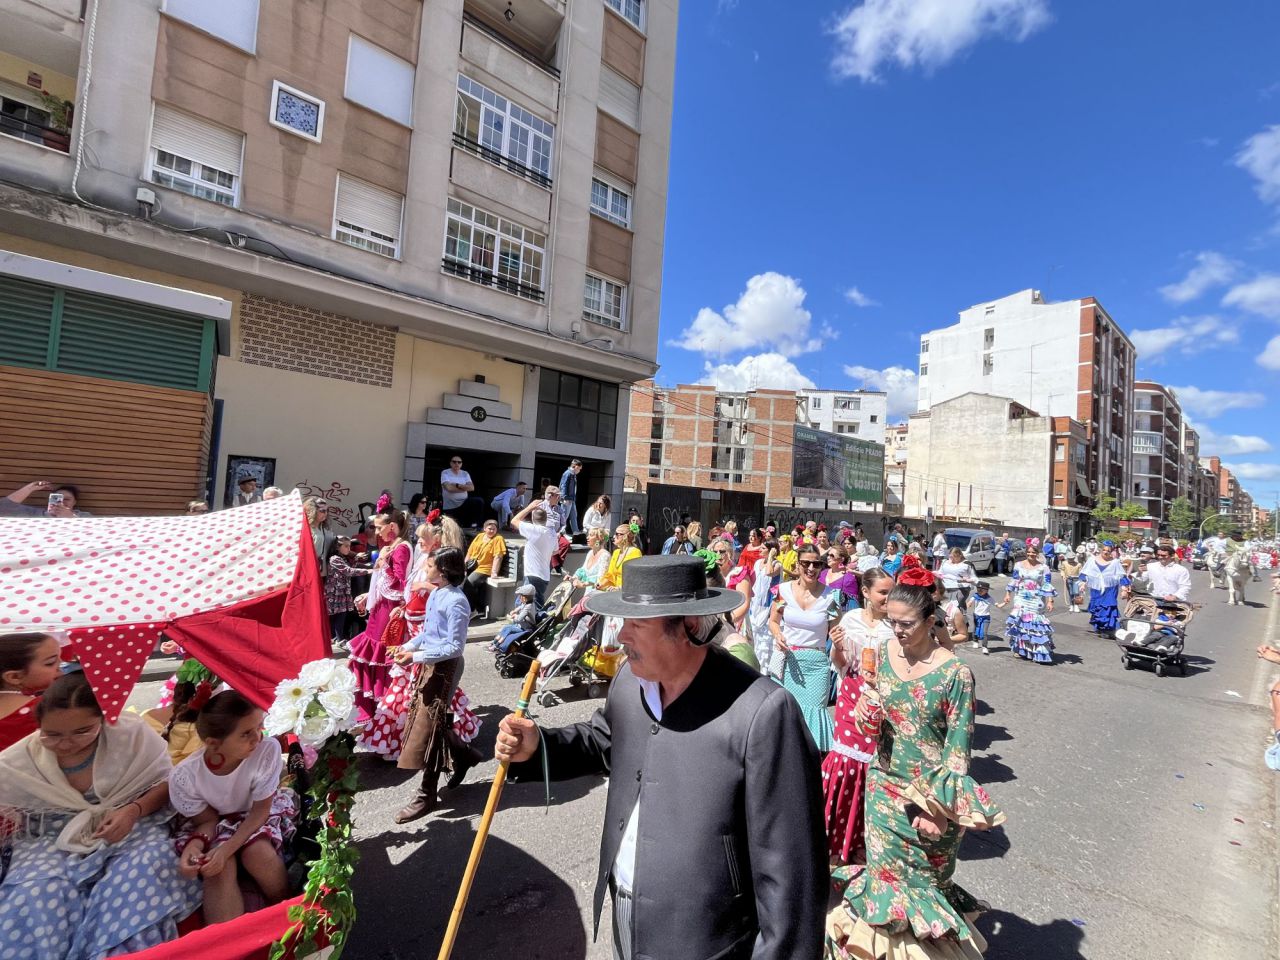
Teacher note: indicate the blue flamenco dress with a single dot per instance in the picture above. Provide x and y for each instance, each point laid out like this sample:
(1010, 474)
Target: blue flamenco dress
(1028, 630)
(1105, 581)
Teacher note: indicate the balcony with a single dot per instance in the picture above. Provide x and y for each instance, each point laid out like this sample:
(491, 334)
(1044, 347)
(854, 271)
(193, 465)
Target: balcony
(488, 278)
(39, 60)
(1148, 442)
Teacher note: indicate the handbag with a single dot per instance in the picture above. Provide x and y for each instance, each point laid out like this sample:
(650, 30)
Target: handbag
(393, 634)
(470, 566)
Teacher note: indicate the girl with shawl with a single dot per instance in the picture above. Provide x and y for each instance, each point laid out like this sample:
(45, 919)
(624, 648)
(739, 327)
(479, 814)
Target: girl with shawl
(1105, 575)
(93, 872)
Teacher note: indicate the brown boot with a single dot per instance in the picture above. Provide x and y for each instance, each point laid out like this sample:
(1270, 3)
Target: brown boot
(464, 756)
(424, 800)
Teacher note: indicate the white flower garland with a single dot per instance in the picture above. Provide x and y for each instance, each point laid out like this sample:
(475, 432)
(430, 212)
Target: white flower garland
(319, 703)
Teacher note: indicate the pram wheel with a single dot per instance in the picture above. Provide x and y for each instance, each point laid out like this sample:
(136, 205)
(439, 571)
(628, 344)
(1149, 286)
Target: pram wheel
(546, 698)
(575, 680)
(595, 690)
(1159, 668)
(1127, 661)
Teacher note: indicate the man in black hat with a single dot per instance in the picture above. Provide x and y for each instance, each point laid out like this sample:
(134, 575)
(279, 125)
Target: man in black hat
(248, 490)
(713, 842)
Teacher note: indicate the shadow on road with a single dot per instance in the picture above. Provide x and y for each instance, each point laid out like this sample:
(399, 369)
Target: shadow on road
(984, 844)
(985, 734)
(1009, 937)
(988, 769)
(517, 905)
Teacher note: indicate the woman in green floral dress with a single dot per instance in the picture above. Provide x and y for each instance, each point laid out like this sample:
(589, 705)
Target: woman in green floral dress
(920, 799)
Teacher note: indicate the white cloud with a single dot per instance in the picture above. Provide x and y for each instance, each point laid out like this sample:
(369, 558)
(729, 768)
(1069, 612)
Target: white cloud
(1213, 403)
(898, 383)
(766, 371)
(928, 33)
(859, 299)
(769, 313)
(1270, 356)
(1255, 471)
(1261, 295)
(1260, 158)
(1211, 270)
(1229, 444)
(1190, 334)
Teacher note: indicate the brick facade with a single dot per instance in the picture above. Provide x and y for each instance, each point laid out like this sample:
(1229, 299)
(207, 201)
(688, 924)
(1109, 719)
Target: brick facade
(740, 441)
(291, 337)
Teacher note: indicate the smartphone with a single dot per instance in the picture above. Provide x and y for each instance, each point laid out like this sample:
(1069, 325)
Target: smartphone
(56, 499)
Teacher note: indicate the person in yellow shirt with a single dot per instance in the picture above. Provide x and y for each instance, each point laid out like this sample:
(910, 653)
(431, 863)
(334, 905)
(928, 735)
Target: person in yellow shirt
(488, 550)
(787, 556)
(624, 551)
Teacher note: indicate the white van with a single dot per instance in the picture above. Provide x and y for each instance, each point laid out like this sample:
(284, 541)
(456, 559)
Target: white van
(979, 547)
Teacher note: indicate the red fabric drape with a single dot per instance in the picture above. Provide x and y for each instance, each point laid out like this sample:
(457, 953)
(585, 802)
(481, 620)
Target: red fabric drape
(255, 645)
(246, 938)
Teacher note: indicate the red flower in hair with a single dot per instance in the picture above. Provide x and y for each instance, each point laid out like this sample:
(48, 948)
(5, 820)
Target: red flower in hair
(202, 696)
(433, 516)
(911, 562)
(916, 577)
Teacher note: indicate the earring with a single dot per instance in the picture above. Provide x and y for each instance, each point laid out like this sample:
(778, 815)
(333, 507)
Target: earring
(211, 763)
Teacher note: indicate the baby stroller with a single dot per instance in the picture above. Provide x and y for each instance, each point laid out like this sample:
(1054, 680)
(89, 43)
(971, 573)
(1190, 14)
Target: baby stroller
(1154, 631)
(586, 651)
(513, 659)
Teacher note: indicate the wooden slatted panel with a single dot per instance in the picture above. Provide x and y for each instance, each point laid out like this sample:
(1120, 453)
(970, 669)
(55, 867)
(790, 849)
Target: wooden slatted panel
(26, 312)
(133, 449)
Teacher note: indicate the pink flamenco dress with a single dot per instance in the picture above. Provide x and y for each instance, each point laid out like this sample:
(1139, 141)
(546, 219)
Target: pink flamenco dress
(844, 769)
(384, 735)
(370, 661)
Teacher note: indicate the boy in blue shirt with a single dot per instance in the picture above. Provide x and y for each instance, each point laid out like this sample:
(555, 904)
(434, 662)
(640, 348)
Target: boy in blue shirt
(980, 603)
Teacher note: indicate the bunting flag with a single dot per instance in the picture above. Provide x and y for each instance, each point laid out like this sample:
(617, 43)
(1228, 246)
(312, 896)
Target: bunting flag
(239, 589)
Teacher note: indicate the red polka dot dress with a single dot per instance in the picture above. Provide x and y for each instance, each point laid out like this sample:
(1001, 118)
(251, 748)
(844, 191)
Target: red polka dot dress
(18, 724)
(844, 771)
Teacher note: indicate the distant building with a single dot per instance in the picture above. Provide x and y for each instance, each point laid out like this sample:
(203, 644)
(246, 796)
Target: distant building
(1233, 500)
(1159, 438)
(858, 413)
(895, 466)
(990, 461)
(1066, 359)
(696, 436)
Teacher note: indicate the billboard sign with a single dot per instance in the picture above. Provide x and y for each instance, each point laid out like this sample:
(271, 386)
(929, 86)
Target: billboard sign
(830, 466)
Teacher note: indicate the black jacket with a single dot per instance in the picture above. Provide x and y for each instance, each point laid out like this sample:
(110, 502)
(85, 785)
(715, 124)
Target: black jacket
(731, 856)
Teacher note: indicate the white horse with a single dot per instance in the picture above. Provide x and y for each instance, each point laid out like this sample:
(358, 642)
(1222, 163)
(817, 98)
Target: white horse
(1217, 566)
(1237, 572)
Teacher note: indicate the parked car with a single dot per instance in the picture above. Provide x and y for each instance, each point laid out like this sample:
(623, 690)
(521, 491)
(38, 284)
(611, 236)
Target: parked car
(979, 547)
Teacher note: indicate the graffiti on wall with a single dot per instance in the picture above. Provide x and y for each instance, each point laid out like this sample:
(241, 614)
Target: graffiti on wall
(335, 493)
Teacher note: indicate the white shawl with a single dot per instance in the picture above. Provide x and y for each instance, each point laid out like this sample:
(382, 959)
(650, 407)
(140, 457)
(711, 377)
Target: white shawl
(1102, 576)
(131, 759)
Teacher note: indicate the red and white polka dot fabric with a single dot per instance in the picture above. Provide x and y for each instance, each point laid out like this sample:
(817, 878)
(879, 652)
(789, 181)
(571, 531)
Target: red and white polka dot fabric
(111, 584)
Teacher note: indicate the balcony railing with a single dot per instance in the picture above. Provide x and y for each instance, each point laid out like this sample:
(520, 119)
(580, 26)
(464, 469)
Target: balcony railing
(34, 132)
(488, 278)
(510, 44)
(496, 158)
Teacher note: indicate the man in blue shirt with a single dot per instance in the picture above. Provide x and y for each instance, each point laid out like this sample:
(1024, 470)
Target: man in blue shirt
(678, 543)
(569, 496)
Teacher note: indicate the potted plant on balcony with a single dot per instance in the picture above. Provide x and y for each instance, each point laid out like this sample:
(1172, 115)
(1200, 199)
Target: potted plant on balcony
(58, 134)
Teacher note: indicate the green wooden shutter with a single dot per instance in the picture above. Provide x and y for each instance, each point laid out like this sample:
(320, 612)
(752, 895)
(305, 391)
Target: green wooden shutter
(26, 317)
(120, 340)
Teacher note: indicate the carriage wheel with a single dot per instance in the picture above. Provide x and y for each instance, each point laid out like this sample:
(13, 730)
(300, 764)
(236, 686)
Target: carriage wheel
(1127, 661)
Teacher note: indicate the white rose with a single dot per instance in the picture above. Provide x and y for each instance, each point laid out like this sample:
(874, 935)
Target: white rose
(343, 680)
(281, 719)
(337, 703)
(316, 730)
(293, 693)
(317, 674)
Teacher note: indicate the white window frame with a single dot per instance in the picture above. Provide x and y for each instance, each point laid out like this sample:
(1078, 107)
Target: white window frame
(363, 237)
(506, 131)
(203, 28)
(924, 370)
(613, 189)
(505, 238)
(276, 88)
(924, 346)
(599, 316)
(192, 183)
(620, 7)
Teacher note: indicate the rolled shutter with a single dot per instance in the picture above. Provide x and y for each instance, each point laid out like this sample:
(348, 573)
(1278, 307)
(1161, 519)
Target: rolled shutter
(619, 97)
(187, 136)
(370, 207)
(26, 316)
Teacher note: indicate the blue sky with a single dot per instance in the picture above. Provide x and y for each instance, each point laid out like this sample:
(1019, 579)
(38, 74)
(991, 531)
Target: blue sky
(845, 176)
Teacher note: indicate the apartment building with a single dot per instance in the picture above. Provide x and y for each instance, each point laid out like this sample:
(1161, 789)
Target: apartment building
(989, 461)
(330, 243)
(696, 436)
(895, 466)
(1232, 499)
(1062, 359)
(856, 413)
(1158, 448)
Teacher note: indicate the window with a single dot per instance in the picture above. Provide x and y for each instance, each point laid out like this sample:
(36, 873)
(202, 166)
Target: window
(604, 301)
(22, 120)
(379, 80)
(657, 427)
(655, 454)
(1060, 452)
(988, 338)
(367, 217)
(610, 201)
(875, 418)
(847, 427)
(484, 248)
(987, 365)
(990, 311)
(924, 369)
(296, 112)
(848, 403)
(816, 402)
(235, 21)
(502, 132)
(1059, 489)
(576, 409)
(631, 10)
(924, 346)
(195, 156)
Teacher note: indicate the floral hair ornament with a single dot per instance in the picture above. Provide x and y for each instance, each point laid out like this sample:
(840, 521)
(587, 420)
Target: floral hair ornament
(708, 557)
(433, 516)
(913, 573)
(384, 502)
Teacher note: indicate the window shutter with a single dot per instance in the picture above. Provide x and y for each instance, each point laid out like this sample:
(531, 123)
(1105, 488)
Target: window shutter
(619, 97)
(26, 315)
(368, 206)
(121, 340)
(186, 136)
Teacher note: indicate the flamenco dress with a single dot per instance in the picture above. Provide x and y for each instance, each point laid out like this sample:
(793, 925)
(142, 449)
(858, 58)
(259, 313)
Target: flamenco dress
(1028, 630)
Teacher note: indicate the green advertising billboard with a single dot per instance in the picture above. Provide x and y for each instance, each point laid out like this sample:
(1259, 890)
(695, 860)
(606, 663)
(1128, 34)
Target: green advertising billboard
(830, 466)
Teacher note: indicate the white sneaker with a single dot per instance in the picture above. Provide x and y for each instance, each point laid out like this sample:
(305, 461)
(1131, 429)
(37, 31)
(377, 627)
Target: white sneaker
(986, 652)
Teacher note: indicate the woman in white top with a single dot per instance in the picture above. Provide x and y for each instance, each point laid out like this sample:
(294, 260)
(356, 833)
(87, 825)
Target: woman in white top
(958, 577)
(765, 576)
(597, 555)
(799, 625)
(598, 515)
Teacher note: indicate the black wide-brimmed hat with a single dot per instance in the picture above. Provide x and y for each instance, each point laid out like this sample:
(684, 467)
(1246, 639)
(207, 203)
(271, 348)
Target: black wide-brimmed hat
(664, 587)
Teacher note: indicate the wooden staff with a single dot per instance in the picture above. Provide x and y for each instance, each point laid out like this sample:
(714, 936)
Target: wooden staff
(482, 834)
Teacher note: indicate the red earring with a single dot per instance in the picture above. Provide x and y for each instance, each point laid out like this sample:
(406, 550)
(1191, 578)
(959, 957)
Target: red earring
(209, 761)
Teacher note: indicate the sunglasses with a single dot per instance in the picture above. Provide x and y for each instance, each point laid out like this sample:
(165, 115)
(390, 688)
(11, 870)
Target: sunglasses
(810, 564)
(456, 463)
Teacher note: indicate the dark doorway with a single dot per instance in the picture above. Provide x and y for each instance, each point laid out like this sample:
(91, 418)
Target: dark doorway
(547, 470)
(490, 472)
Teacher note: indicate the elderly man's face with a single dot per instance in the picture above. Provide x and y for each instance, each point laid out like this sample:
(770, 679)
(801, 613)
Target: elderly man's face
(651, 649)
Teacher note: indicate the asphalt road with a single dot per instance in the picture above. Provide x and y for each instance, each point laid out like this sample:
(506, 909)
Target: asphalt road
(1141, 820)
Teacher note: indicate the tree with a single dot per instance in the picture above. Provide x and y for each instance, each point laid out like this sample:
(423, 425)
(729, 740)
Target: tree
(1220, 524)
(1131, 510)
(1182, 516)
(1104, 511)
